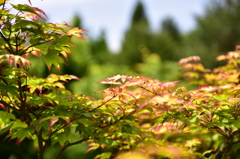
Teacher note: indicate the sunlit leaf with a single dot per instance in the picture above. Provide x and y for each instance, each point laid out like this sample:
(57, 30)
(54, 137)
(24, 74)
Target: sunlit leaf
(5, 118)
(76, 32)
(27, 8)
(16, 60)
(104, 155)
(221, 97)
(190, 59)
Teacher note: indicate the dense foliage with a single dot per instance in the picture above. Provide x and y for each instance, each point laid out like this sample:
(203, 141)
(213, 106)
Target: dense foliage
(136, 116)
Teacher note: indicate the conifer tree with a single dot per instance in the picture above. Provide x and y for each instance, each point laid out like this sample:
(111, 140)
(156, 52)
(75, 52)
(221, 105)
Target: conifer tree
(136, 37)
(99, 49)
(217, 30)
(168, 26)
(76, 21)
(167, 41)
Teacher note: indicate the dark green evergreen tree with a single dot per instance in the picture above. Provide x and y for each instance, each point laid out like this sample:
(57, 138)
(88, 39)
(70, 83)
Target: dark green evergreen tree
(165, 46)
(217, 31)
(76, 21)
(168, 26)
(220, 26)
(139, 16)
(99, 49)
(167, 41)
(136, 37)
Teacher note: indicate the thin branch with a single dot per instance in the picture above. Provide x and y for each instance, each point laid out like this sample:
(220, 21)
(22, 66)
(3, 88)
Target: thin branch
(10, 99)
(59, 128)
(39, 43)
(8, 43)
(4, 80)
(16, 42)
(9, 106)
(40, 144)
(146, 89)
(220, 131)
(103, 103)
(3, 8)
(71, 144)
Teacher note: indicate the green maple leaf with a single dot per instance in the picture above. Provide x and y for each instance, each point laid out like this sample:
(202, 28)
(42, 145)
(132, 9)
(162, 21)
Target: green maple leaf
(52, 58)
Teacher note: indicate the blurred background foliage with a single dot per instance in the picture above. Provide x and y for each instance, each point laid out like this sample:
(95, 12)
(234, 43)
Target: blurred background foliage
(153, 53)
(146, 52)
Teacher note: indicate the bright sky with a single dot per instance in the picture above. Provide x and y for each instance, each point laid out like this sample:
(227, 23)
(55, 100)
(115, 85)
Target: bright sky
(114, 16)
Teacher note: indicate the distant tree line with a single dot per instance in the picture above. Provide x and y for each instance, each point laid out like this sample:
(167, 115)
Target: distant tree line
(216, 32)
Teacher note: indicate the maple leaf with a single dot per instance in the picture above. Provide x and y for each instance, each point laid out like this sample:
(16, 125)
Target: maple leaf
(53, 120)
(77, 32)
(64, 24)
(15, 59)
(52, 58)
(26, 8)
(190, 59)
(118, 79)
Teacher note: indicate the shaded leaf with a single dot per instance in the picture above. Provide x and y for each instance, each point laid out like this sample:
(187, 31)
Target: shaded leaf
(52, 58)
(8, 89)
